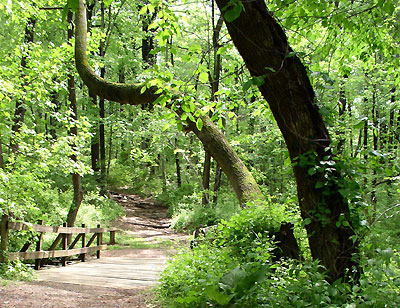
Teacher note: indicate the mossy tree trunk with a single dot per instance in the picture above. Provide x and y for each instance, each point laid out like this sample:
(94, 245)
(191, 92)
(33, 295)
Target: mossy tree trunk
(213, 139)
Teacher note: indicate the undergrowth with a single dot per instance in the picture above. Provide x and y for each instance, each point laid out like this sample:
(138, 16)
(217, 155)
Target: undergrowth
(236, 267)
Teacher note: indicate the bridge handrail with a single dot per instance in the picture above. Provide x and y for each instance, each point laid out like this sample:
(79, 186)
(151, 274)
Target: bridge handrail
(63, 232)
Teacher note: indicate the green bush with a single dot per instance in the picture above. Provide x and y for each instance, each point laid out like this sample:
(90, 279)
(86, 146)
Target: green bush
(16, 270)
(96, 209)
(234, 267)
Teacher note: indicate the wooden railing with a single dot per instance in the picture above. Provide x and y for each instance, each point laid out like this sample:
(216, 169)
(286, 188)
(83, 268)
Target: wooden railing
(40, 256)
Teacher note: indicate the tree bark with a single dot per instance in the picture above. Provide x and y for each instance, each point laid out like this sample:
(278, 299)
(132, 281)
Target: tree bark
(391, 126)
(102, 142)
(95, 145)
(214, 141)
(342, 110)
(263, 46)
(206, 178)
(76, 179)
(148, 39)
(1, 154)
(178, 166)
(215, 77)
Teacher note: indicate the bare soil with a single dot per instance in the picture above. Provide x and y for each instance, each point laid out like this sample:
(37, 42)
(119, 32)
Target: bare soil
(144, 218)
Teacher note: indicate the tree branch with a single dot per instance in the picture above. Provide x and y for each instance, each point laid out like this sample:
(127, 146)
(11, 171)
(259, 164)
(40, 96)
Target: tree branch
(214, 141)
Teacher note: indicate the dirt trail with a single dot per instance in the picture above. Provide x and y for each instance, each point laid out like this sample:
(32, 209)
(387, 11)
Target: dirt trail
(145, 219)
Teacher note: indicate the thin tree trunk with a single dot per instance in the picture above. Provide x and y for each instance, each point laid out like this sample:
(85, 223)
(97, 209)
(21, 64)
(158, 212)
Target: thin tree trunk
(1, 154)
(163, 172)
(342, 109)
(102, 142)
(215, 78)
(375, 146)
(391, 126)
(95, 145)
(148, 40)
(76, 179)
(351, 131)
(52, 120)
(206, 178)
(178, 165)
(217, 183)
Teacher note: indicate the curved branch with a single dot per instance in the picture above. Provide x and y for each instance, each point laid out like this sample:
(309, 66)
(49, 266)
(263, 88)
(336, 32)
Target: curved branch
(113, 91)
(214, 141)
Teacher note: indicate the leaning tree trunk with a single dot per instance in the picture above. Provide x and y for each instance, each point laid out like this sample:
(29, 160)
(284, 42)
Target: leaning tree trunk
(213, 139)
(264, 47)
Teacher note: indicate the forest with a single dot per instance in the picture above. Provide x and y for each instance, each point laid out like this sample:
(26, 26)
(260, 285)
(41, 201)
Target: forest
(271, 127)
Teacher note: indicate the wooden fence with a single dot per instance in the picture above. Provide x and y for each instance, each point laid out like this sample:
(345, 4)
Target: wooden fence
(40, 256)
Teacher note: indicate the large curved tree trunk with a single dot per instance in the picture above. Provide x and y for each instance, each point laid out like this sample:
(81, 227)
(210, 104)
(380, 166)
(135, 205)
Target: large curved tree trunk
(263, 46)
(214, 141)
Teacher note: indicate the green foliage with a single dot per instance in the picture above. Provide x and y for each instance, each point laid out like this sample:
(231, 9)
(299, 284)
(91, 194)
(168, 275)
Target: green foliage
(233, 267)
(189, 214)
(96, 209)
(233, 10)
(16, 270)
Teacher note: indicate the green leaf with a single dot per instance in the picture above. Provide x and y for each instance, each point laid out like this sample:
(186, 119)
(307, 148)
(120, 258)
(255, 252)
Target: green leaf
(233, 13)
(312, 171)
(388, 7)
(203, 77)
(307, 221)
(107, 2)
(258, 81)
(222, 50)
(290, 54)
(199, 124)
(65, 13)
(247, 85)
(216, 295)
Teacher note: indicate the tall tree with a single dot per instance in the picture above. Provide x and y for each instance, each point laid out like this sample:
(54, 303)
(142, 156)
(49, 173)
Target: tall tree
(264, 48)
(76, 178)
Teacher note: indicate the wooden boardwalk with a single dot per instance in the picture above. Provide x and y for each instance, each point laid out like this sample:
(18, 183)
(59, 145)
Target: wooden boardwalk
(124, 272)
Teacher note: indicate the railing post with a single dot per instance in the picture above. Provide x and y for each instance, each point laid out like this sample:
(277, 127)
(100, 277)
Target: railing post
(64, 244)
(83, 255)
(39, 247)
(4, 237)
(112, 237)
(99, 241)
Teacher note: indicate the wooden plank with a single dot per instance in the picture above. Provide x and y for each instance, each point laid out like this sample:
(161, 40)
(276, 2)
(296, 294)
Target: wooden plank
(99, 242)
(53, 254)
(115, 272)
(19, 226)
(64, 245)
(75, 240)
(39, 247)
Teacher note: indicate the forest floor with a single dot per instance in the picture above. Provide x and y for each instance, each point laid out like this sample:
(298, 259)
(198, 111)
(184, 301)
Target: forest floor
(147, 223)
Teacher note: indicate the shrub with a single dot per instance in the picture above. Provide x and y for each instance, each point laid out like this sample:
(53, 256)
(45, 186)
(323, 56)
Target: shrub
(233, 267)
